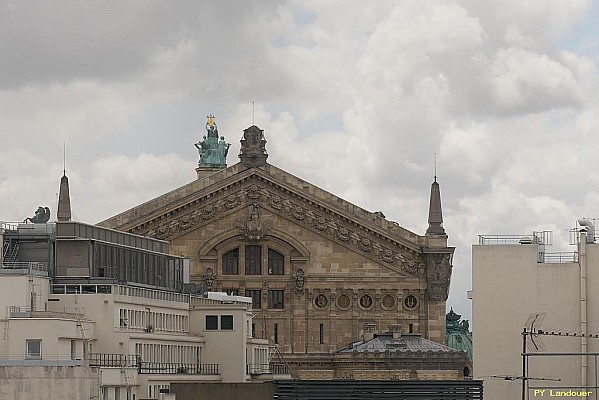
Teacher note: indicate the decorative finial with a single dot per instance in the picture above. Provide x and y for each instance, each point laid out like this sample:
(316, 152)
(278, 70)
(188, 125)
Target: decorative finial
(210, 120)
(253, 113)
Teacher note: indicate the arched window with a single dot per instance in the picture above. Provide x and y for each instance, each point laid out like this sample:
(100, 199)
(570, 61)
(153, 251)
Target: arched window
(253, 260)
(231, 262)
(275, 263)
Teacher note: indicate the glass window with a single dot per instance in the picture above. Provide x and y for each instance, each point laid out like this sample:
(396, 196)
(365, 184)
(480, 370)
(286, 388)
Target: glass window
(231, 262)
(256, 296)
(211, 322)
(226, 322)
(275, 263)
(275, 299)
(253, 260)
(231, 292)
(34, 348)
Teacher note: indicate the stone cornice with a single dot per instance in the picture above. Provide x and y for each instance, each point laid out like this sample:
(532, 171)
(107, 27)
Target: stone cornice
(228, 191)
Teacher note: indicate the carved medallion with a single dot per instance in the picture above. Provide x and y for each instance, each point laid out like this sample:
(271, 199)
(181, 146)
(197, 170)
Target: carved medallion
(321, 301)
(366, 301)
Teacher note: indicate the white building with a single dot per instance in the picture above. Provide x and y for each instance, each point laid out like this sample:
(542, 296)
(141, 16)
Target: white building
(518, 284)
(86, 336)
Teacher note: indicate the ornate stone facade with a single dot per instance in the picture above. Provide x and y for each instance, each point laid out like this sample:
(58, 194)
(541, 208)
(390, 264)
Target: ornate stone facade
(317, 267)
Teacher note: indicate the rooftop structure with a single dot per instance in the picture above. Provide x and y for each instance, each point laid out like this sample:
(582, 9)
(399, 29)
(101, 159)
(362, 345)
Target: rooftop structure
(520, 293)
(112, 304)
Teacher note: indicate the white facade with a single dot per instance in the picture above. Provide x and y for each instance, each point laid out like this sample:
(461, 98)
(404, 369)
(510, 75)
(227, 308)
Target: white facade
(512, 280)
(132, 341)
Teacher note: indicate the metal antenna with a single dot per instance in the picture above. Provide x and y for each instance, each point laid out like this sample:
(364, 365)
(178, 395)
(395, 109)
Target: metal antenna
(435, 167)
(253, 113)
(64, 158)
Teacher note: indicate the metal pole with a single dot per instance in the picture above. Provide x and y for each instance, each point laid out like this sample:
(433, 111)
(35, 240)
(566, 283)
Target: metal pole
(524, 364)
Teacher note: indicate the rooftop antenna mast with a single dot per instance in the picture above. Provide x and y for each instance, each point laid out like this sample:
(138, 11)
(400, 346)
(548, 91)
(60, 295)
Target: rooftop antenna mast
(64, 158)
(253, 113)
(435, 167)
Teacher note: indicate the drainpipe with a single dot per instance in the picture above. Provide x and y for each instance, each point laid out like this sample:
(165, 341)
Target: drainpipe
(582, 259)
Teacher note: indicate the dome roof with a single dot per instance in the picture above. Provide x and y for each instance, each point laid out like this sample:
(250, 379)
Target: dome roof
(458, 335)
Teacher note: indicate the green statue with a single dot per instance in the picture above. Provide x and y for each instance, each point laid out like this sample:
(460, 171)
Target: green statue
(212, 151)
(42, 215)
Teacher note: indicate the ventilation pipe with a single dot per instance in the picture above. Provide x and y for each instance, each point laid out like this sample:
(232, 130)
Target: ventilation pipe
(582, 260)
(589, 228)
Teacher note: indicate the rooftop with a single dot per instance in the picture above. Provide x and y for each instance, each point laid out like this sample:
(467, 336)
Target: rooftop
(408, 342)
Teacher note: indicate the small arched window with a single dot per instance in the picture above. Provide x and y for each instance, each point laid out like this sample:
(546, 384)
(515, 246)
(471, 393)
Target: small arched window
(231, 262)
(275, 263)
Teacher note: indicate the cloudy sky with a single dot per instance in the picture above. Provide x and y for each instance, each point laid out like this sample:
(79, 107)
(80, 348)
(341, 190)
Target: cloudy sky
(354, 96)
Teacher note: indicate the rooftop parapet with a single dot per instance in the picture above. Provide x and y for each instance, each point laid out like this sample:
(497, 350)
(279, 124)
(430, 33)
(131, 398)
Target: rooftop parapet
(541, 238)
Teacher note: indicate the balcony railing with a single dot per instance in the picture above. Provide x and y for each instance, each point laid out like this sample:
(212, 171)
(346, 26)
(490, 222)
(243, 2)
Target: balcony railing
(113, 360)
(261, 369)
(177, 368)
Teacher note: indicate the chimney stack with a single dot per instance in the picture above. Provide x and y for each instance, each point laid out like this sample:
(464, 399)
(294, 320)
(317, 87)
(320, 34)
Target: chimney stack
(369, 329)
(395, 330)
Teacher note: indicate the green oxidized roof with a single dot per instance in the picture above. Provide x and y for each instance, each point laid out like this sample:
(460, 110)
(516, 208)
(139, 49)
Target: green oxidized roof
(458, 335)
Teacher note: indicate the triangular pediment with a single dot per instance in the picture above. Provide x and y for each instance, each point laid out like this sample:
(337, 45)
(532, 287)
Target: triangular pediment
(230, 190)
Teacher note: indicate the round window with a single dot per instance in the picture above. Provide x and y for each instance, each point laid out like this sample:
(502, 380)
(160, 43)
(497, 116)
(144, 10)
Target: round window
(343, 301)
(388, 302)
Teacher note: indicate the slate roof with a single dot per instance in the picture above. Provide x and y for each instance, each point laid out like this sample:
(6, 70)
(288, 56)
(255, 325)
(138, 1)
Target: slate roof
(407, 343)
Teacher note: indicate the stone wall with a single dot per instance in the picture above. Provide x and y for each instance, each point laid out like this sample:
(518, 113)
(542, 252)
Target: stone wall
(48, 383)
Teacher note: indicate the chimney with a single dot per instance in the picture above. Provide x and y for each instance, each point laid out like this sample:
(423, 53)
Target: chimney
(369, 329)
(395, 330)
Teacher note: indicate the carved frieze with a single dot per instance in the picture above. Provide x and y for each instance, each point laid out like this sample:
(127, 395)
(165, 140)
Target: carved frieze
(257, 193)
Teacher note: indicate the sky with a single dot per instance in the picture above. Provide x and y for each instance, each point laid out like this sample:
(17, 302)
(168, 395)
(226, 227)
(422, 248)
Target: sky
(357, 97)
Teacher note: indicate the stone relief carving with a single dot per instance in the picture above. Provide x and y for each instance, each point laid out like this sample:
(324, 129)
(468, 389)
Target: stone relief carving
(254, 228)
(300, 281)
(438, 271)
(209, 277)
(276, 203)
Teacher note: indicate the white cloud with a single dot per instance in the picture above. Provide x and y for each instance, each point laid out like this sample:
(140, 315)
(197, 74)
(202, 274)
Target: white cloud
(527, 82)
(355, 99)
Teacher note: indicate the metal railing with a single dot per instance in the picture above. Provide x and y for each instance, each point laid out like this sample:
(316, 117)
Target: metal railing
(177, 368)
(9, 267)
(561, 257)
(274, 369)
(541, 237)
(113, 360)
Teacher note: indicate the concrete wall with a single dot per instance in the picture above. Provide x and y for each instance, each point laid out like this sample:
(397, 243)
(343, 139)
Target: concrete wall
(507, 286)
(48, 383)
(224, 391)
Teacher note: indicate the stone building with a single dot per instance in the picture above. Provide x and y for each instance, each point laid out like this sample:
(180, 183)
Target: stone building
(317, 267)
